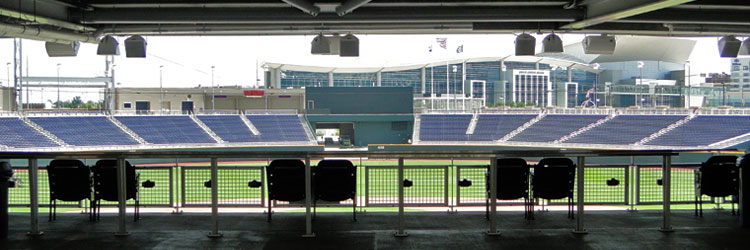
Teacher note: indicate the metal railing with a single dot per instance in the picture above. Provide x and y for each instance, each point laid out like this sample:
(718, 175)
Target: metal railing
(424, 186)
(431, 185)
(234, 186)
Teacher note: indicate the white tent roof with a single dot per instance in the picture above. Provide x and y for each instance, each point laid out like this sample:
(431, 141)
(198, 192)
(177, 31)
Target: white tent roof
(528, 59)
(632, 48)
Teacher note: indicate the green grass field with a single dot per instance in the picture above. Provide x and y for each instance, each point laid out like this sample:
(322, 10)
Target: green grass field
(433, 182)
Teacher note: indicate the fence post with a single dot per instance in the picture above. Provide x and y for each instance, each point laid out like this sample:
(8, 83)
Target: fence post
(214, 199)
(579, 202)
(34, 196)
(666, 183)
(308, 199)
(400, 232)
(121, 197)
(493, 198)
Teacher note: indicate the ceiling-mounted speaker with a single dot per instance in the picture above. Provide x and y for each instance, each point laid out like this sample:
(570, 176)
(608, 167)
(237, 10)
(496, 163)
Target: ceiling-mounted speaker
(349, 46)
(745, 47)
(334, 43)
(62, 49)
(135, 46)
(320, 45)
(603, 44)
(108, 46)
(729, 46)
(525, 45)
(552, 44)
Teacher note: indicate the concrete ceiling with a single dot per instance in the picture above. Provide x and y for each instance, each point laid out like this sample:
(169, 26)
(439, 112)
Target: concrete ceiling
(86, 20)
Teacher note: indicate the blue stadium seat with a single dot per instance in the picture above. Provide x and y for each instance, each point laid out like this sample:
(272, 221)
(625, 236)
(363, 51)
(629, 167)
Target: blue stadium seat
(229, 127)
(85, 130)
(494, 127)
(444, 127)
(553, 127)
(166, 129)
(704, 130)
(15, 133)
(279, 128)
(626, 129)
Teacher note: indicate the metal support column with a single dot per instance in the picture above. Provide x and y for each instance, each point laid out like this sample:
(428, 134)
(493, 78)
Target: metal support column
(579, 201)
(308, 199)
(666, 183)
(214, 199)
(400, 232)
(121, 197)
(34, 196)
(493, 197)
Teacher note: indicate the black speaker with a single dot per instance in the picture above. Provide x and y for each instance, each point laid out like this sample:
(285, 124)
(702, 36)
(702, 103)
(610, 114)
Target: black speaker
(729, 46)
(599, 45)
(108, 46)
(62, 49)
(525, 45)
(135, 46)
(349, 46)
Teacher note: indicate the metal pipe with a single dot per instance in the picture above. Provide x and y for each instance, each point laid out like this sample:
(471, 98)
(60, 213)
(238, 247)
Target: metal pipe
(308, 199)
(350, 6)
(666, 183)
(44, 20)
(214, 199)
(400, 232)
(34, 196)
(305, 6)
(579, 201)
(43, 34)
(121, 197)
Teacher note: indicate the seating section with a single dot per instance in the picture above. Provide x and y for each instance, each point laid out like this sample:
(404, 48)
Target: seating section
(704, 130)
(444, 127)
(15, 133)
(229, 127)
(494, 127)
(85, 130)
(553, 127)
(166, 129)
(279, 128)
(625, 129)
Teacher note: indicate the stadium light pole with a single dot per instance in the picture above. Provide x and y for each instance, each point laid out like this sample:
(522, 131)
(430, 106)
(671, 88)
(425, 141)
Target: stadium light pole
(213, 93)
(58, 87)
(7, 70)
(161, 89)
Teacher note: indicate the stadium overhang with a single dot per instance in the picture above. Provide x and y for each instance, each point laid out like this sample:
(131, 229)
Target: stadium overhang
(64, 21)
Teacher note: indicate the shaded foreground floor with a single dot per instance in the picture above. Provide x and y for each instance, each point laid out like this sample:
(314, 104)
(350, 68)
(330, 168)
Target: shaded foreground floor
(427, 230)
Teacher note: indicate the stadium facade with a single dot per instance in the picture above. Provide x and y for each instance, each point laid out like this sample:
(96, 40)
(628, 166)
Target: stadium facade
(643, 72)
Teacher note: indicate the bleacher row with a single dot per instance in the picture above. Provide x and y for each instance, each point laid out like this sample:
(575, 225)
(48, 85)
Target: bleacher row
(91, 130)
(625, 129)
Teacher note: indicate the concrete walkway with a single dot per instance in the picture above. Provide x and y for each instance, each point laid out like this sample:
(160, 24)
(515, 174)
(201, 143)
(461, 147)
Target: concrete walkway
(428, 230)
